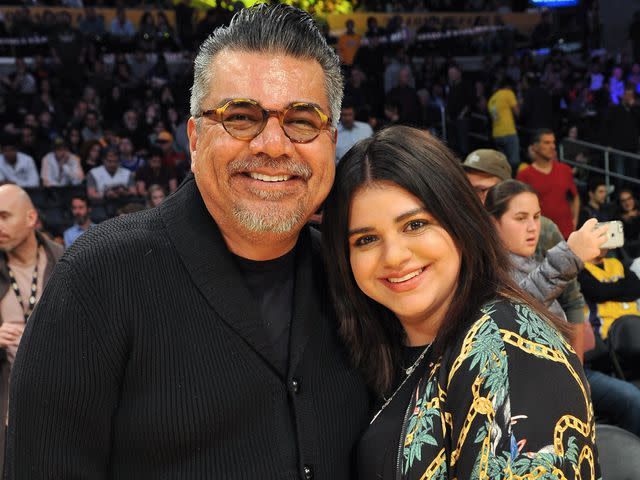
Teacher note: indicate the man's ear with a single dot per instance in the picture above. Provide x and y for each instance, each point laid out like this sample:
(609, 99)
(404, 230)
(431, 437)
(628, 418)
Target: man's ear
(192, 133)
(32, 217)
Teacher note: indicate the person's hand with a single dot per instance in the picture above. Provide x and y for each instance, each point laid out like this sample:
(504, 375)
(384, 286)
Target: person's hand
(586, 242)
(111, 193)
(10, 335)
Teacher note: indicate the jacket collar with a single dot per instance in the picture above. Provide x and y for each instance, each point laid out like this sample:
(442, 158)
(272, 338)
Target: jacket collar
(213, 270)
(52, 251)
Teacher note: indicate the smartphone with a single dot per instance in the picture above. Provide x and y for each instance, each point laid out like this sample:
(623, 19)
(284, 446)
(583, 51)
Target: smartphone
(615, 234)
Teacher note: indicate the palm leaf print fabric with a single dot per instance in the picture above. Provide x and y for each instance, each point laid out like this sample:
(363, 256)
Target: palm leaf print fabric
(508, 401)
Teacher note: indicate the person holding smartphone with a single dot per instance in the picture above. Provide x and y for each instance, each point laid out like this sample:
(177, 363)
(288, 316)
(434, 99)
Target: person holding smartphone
(515, 210)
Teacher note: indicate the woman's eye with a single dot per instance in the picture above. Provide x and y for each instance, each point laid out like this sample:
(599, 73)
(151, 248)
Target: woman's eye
(415, 225)
(362, 241)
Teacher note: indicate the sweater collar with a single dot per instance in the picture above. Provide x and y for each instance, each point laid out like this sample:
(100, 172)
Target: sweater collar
(212, 269)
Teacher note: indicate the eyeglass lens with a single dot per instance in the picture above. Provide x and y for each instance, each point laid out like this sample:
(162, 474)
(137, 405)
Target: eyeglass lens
(245, 120)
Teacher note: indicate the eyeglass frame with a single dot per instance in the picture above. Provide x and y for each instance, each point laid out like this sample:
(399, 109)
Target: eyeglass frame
(266, 113)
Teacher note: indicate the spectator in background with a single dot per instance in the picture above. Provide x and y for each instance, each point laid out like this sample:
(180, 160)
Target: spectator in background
(121, 27)
(537, 108)
(502, 106)
(621, 131)
(21, 82)
(611, 291)
(553, 181)
(616, 85)
(516, 213)
(394, 75)
(156, 172)
(110, 181)
(92, 24)
(131, 128)
(156, 195)
(486, 168)
(596, 207)
(90, 155)
(31, 144)
(128, 159)
(27, 259)
(170, 157)
(406, 97)
(81, 219)
(629, 214)
(60, 167)
(91, 129)
(459, 100)
(17, 167)
(350, 130)
(348, 44)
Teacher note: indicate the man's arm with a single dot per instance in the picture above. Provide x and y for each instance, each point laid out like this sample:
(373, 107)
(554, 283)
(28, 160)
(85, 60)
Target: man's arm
(624, 290)
(33, 181)
(65, 385)
(92, 188)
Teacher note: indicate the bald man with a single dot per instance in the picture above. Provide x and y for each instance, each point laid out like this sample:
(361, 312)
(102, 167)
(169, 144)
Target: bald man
(26, 261)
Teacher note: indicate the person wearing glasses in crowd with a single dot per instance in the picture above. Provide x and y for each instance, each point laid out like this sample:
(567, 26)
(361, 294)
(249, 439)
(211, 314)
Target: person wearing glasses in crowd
(195, 340)
(475, 378)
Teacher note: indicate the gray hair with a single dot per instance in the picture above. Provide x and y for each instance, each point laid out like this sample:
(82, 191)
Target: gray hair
(269, 29)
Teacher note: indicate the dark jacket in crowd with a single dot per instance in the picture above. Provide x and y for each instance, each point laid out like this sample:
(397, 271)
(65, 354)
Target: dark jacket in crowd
(147, 359)
(621, 127)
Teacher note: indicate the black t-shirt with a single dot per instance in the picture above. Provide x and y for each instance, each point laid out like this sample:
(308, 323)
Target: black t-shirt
(271, 284)
(378, 447)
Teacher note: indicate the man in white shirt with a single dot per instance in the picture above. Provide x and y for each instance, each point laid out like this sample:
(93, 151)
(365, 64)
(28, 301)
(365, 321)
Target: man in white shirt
(110, 180)
(17, 167)
(350, 131)
(60, 167)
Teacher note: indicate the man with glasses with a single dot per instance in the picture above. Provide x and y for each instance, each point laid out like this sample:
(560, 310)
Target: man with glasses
(195, 340)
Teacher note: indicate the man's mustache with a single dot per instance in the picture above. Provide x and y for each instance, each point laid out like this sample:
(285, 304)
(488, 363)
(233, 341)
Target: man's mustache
(284, 164)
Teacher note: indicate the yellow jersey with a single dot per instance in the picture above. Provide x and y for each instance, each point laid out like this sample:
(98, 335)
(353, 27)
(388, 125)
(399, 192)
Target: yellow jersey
(501, 106)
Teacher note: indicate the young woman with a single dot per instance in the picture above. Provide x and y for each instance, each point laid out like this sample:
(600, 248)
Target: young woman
(516, 212)
(515, 209)
(474, 381)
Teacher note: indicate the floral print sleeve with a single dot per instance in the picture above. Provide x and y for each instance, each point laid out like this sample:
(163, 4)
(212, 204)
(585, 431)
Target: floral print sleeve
(508, 402)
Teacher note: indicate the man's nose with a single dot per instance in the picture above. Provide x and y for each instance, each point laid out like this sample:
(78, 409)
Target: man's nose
(272, 141)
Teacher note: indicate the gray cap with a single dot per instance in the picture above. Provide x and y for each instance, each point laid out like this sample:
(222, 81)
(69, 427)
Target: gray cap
(488, 161)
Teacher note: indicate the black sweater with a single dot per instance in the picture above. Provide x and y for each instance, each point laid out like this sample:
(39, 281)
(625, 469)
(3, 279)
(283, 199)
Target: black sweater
(146, 358)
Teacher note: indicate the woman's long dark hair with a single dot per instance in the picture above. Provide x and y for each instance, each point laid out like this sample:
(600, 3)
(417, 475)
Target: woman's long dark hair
(423, 166)
(499, 196)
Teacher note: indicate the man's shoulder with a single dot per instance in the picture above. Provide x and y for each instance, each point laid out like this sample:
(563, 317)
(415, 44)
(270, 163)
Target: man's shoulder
(23, 157)
(119, 240)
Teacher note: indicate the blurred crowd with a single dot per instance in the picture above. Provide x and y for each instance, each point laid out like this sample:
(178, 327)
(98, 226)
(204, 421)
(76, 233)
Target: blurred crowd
(102, 108)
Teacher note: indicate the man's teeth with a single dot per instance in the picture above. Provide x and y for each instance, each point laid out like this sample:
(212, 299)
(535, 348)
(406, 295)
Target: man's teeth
(406, 277)
(269, 178)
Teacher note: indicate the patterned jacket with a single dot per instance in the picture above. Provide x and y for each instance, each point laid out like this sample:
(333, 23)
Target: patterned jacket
(508, 401)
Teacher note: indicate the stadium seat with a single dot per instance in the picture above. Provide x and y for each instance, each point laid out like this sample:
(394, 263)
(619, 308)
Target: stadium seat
(624, 345)
(619, 453)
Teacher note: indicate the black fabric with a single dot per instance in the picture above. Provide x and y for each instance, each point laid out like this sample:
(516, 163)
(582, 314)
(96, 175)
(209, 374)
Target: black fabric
(378, 449)
(146, 358)
(625, 289)
(271, 285)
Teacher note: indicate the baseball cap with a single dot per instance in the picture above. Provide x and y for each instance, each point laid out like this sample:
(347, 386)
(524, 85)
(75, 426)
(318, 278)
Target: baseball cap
(164, 136)
(488, 161)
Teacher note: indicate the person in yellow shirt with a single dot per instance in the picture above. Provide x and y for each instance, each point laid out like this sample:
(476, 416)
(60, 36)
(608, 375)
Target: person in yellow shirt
(503, 107)
(611, 291)
(348, 44)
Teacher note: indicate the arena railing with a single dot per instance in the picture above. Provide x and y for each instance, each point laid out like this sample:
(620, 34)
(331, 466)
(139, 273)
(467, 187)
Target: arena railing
(606, 156)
